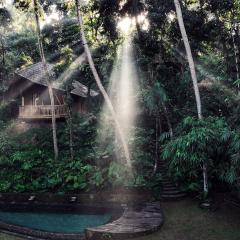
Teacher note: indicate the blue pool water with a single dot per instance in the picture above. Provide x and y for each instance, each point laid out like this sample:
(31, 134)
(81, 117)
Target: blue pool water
(54, 222)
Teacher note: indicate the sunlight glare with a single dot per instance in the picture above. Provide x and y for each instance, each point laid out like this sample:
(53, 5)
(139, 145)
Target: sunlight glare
(125, 25)
(66, 75)
(171, 16)
(49, 18)
(143, 21)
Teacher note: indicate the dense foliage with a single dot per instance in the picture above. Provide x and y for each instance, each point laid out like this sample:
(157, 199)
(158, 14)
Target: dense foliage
(27, 159)
(196, 141)
(166, 127)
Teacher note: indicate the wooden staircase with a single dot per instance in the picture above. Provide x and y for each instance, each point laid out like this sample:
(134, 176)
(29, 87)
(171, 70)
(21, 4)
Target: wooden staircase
(169, 189)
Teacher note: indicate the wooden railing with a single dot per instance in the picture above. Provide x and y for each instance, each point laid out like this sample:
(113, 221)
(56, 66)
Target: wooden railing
(42, 111)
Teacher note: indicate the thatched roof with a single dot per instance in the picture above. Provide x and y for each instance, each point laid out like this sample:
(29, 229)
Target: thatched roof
(36, 74)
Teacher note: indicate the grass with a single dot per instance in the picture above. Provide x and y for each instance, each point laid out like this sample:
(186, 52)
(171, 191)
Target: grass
(4, 236)
(185, 221)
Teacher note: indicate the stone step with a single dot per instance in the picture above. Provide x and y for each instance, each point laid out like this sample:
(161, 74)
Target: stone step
(172, 196)
(162, 163)
(165, 177)
(166, 180)
(170, 187)
(162, 167)
(164, 173)
(168, 183)
(171, 192)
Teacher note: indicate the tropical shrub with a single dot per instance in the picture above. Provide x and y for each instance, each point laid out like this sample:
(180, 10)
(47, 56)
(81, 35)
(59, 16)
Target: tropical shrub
(197, 141)
(27, 164)
(7, 110)
(229, 171)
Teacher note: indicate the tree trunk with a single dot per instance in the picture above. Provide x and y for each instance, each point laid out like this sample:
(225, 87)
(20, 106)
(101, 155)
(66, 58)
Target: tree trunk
(168, 120)
(49, 77)
(235, 49)
(70, 126)
(3, 50)
(205, 179)
(100, 86)
(135, 14)
(189, 57)
(70, 122)
(4, 73)
(194, 80)
(155, 168)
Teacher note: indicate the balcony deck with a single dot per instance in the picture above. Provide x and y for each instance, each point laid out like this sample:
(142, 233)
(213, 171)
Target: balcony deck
(42, 111)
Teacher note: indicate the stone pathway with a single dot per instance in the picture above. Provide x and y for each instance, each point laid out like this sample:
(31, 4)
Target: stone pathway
(134, 222)
(169, 189)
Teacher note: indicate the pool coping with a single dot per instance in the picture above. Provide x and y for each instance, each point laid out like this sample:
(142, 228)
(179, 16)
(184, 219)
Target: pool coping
(37, 234)
(131, 221)
(134, 222)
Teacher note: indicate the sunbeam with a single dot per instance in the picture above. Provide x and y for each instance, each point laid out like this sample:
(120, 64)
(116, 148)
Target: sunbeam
(59, 82)
(123, 87)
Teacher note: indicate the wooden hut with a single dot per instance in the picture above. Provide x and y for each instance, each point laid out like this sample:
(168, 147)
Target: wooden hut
(30, 88)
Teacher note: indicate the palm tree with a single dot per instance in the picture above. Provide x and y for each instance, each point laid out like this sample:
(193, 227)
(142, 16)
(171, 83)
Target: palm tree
(5, 21)
(194, 80)
(49, 77)
(99, 84)
(235, 50)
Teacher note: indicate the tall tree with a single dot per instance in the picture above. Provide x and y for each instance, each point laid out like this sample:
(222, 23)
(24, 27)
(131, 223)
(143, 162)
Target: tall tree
(49, 77)
(235, 49)
(5, 20)
(194, 80)
(100, 85)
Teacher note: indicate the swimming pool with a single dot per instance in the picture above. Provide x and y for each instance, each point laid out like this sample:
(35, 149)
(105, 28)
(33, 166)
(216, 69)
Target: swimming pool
(54, 222)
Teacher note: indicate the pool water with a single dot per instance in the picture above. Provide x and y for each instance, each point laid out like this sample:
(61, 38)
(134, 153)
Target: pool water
(55, 222)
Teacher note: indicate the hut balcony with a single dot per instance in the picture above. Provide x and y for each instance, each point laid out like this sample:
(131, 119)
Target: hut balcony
(42, 111)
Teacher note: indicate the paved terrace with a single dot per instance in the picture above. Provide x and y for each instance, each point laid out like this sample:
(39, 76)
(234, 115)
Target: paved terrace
(134, 222)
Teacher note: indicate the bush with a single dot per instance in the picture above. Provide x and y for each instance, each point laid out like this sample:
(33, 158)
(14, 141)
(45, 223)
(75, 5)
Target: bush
(27, 164)
(8, 111)
(198, 141)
